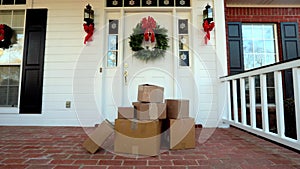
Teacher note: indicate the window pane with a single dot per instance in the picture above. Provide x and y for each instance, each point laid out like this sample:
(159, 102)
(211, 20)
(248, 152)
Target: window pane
(269, 46)
(18, 18)
(259, 46)
(111, 59)
(248, 61)
(8, 2)
(13, 92)
(3, 95)
(4, 75)
(259, 60)
(5, 17)
(112, 42)
(20, 2)
(268, 32)
(257, 32)
(247, 31)
(14, 75)
(248, 46)
(270, 59)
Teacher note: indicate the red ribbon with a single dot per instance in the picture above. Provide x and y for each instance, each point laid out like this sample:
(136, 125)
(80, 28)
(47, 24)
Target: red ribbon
(149, 24)
(207, 28)
(2, 32)
(89, 29)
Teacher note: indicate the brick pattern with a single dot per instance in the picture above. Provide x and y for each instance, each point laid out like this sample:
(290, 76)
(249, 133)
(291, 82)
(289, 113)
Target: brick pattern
(263, 15)
(60, 148)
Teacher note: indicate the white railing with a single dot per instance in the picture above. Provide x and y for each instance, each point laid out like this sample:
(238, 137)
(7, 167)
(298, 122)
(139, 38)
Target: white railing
(237, 113)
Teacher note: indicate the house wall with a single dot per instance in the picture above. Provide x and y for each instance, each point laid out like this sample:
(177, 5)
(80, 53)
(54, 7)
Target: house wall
(71, 71)
(263, 15)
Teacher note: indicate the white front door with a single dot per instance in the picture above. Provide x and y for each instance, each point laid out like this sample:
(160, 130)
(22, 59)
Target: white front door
(119, 90)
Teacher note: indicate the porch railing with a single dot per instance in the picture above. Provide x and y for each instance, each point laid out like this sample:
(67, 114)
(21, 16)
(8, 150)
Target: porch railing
(244, 112)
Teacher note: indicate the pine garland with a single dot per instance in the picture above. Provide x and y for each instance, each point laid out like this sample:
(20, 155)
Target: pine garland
(137, 38)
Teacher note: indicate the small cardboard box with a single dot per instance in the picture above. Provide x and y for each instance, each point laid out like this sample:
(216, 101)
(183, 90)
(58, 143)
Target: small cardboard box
(182, 133)
(98, 136)
(150, 111)
(177, 108)
(137, 137)
(126, 113)
(150, 93)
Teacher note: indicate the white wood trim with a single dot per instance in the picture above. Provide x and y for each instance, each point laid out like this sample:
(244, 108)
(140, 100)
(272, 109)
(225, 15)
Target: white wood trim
(252, 101)
(228, 101)
(296, 79)
(235, 103)
(269, 69)
(264, 102)
(279, 103)
(243, 101)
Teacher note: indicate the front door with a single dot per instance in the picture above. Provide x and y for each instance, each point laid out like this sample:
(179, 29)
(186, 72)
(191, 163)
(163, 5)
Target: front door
(120, 83)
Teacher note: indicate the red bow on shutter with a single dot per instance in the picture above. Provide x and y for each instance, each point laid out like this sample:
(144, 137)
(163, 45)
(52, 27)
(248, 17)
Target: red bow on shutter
(149, 24)
(207, 28)
(89, 29)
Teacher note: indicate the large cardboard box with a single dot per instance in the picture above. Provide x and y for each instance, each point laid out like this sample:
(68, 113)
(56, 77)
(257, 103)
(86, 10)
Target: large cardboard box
(126, 113)
(150, 93)
(98, 136)
(177, 108)
(182, 133)
(137, 137)
(150, 111)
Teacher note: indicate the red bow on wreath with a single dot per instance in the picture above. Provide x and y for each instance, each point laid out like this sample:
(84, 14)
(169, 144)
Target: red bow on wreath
(149, 24)
(89, 29)
(2, 32)
(207, 28)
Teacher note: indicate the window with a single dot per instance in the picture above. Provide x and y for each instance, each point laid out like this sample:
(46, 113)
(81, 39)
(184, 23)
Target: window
(259, 45)
(12, 2)
(11, 58)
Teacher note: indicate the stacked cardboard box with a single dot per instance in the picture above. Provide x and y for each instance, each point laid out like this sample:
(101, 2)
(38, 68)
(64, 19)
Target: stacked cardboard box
(138, 128)
(180, 127)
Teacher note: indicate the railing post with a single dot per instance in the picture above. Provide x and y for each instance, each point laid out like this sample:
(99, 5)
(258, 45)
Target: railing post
(252, 101)
(243, 101)
(228, 101)
(296, 78)
(235, 103)
(264, 102)
(279, 103)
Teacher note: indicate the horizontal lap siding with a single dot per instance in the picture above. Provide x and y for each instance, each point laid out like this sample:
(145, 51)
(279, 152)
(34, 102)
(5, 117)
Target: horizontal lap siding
(64, 46)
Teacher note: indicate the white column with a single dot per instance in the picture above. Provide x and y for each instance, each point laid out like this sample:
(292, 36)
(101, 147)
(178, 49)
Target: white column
(243, 101)
(296, 78)
(235, 103)
(252, 101)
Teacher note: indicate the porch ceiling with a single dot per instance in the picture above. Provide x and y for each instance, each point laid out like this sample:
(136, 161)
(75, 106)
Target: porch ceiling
(263, 3)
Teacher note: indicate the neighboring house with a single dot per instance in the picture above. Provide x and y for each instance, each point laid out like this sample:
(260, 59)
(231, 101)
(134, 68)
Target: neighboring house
(50, 77)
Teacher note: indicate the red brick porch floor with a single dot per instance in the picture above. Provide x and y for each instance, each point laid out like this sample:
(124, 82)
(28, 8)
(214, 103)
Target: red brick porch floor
(60, 148)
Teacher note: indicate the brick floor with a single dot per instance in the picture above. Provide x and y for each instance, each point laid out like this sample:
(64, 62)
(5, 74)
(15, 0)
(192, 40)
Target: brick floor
(60, 148)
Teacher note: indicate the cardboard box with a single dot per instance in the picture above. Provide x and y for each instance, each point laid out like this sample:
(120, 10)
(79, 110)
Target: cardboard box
(177, 108)
(126, 113)
(182, 133)
(98, 136)
(137, 137)
(150, 111)
(150, 93)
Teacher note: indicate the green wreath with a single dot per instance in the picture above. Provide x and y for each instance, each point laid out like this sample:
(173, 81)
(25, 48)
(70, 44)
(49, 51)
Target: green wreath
(137, 40)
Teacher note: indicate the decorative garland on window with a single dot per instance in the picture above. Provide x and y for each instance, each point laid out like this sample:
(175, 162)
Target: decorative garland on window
(148, 41)
(5, 36)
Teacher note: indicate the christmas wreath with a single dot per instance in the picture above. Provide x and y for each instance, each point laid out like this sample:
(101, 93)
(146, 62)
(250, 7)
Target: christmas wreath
(148, 41)
(5, 36)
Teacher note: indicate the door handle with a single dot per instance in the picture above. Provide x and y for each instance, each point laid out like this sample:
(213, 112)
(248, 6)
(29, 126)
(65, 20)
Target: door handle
(125, 76)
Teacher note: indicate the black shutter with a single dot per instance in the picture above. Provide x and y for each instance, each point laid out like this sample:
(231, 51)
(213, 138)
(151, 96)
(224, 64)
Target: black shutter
(235, 47)
(33, 61)
(290, 42)
(290, 50)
